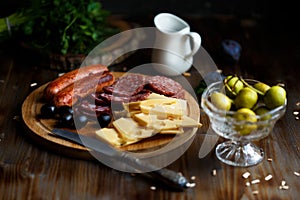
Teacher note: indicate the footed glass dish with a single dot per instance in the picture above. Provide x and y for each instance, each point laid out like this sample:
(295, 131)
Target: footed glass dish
(239, 149)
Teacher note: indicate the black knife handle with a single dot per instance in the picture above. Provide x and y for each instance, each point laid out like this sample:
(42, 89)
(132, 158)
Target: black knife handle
(170, 178)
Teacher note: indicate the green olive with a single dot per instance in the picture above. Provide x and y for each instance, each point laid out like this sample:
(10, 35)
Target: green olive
(261, 87)
(247, 115)
(233, 85)
(275, 97)
(246, 98)
(221, 101)
(261, 111)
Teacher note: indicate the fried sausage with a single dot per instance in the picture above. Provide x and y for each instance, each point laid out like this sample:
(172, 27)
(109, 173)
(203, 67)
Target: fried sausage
(82, 88)
(69, 78)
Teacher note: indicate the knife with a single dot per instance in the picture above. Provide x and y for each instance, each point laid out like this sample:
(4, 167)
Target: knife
(171, 179)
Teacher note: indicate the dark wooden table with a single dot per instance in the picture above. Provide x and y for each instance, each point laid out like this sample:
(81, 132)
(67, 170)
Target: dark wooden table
(269, 53)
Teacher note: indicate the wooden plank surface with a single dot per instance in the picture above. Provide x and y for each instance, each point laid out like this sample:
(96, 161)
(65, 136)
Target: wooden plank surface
(30, 171)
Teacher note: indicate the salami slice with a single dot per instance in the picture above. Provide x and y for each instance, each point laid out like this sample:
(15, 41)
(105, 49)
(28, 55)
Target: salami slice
(121, 99)
(129, 85)
(164, 85)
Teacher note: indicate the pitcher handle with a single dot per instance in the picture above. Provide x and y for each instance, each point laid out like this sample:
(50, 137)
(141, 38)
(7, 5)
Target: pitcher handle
(195, 43)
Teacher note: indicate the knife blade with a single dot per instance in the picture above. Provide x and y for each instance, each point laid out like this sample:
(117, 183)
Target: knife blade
(170, 178)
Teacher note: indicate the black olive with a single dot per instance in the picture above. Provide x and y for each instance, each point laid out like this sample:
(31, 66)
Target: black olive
(80, 121)
(64, 110)
(48, 111)
(104, 120)
(66, 120)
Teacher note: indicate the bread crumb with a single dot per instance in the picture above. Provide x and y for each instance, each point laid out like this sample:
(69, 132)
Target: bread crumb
(255, 181)
(152, 188)
(190, 185)
(255, 192)
(214, 172)
(246, 175)
(283, 187)
(186, 74)
(297, 173)
(33, 84)
(269, 177)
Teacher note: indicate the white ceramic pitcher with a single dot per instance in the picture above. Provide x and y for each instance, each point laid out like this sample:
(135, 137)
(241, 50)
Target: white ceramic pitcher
(174, 45)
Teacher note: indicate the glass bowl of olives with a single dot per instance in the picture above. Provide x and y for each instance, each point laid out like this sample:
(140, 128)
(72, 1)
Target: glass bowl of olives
(242, 111)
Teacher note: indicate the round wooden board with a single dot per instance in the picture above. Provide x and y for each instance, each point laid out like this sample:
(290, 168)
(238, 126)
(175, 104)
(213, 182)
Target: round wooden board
(40, 129)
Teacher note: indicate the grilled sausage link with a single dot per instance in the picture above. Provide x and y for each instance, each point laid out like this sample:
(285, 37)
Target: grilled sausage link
(69, 78)
(82, 87)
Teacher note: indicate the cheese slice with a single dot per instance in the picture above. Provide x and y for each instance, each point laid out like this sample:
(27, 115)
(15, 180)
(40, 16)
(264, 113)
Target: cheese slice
(166, 111)
(127, 127)
(152, 121)
(145, 119)
(110, 135)
(154, 95)
(164, 124)
(130, 129)
(153, 102)
(186, 121)
(172, 131)
(132, 106)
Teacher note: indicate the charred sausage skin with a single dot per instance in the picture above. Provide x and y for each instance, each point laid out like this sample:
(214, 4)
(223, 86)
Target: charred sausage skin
(57, 85)
(82, 88)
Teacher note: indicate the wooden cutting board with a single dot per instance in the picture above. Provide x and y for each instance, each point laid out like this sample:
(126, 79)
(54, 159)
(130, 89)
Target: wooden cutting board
(39, 129)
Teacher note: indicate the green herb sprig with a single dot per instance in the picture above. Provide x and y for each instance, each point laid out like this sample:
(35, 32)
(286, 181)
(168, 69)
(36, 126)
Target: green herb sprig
(58, 26)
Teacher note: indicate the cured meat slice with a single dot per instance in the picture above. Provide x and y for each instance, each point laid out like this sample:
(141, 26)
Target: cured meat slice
(90, 109)
(164, 85)
(122, 99)
(129, 85)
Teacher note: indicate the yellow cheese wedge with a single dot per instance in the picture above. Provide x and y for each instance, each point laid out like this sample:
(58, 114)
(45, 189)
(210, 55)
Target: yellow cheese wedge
(145, 119)
(132, 106)
(164, 124)
(172, 131)
(127, 127)
(130, 130)
(186, 121)
(169, 125)
(166, 111)
(154, 95)
(110, 135)
(144, 133)
(153, 102)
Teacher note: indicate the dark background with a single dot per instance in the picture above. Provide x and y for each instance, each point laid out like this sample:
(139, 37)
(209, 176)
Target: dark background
(281, 13)
(187, 7)
(276, 9)
(277, 15)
